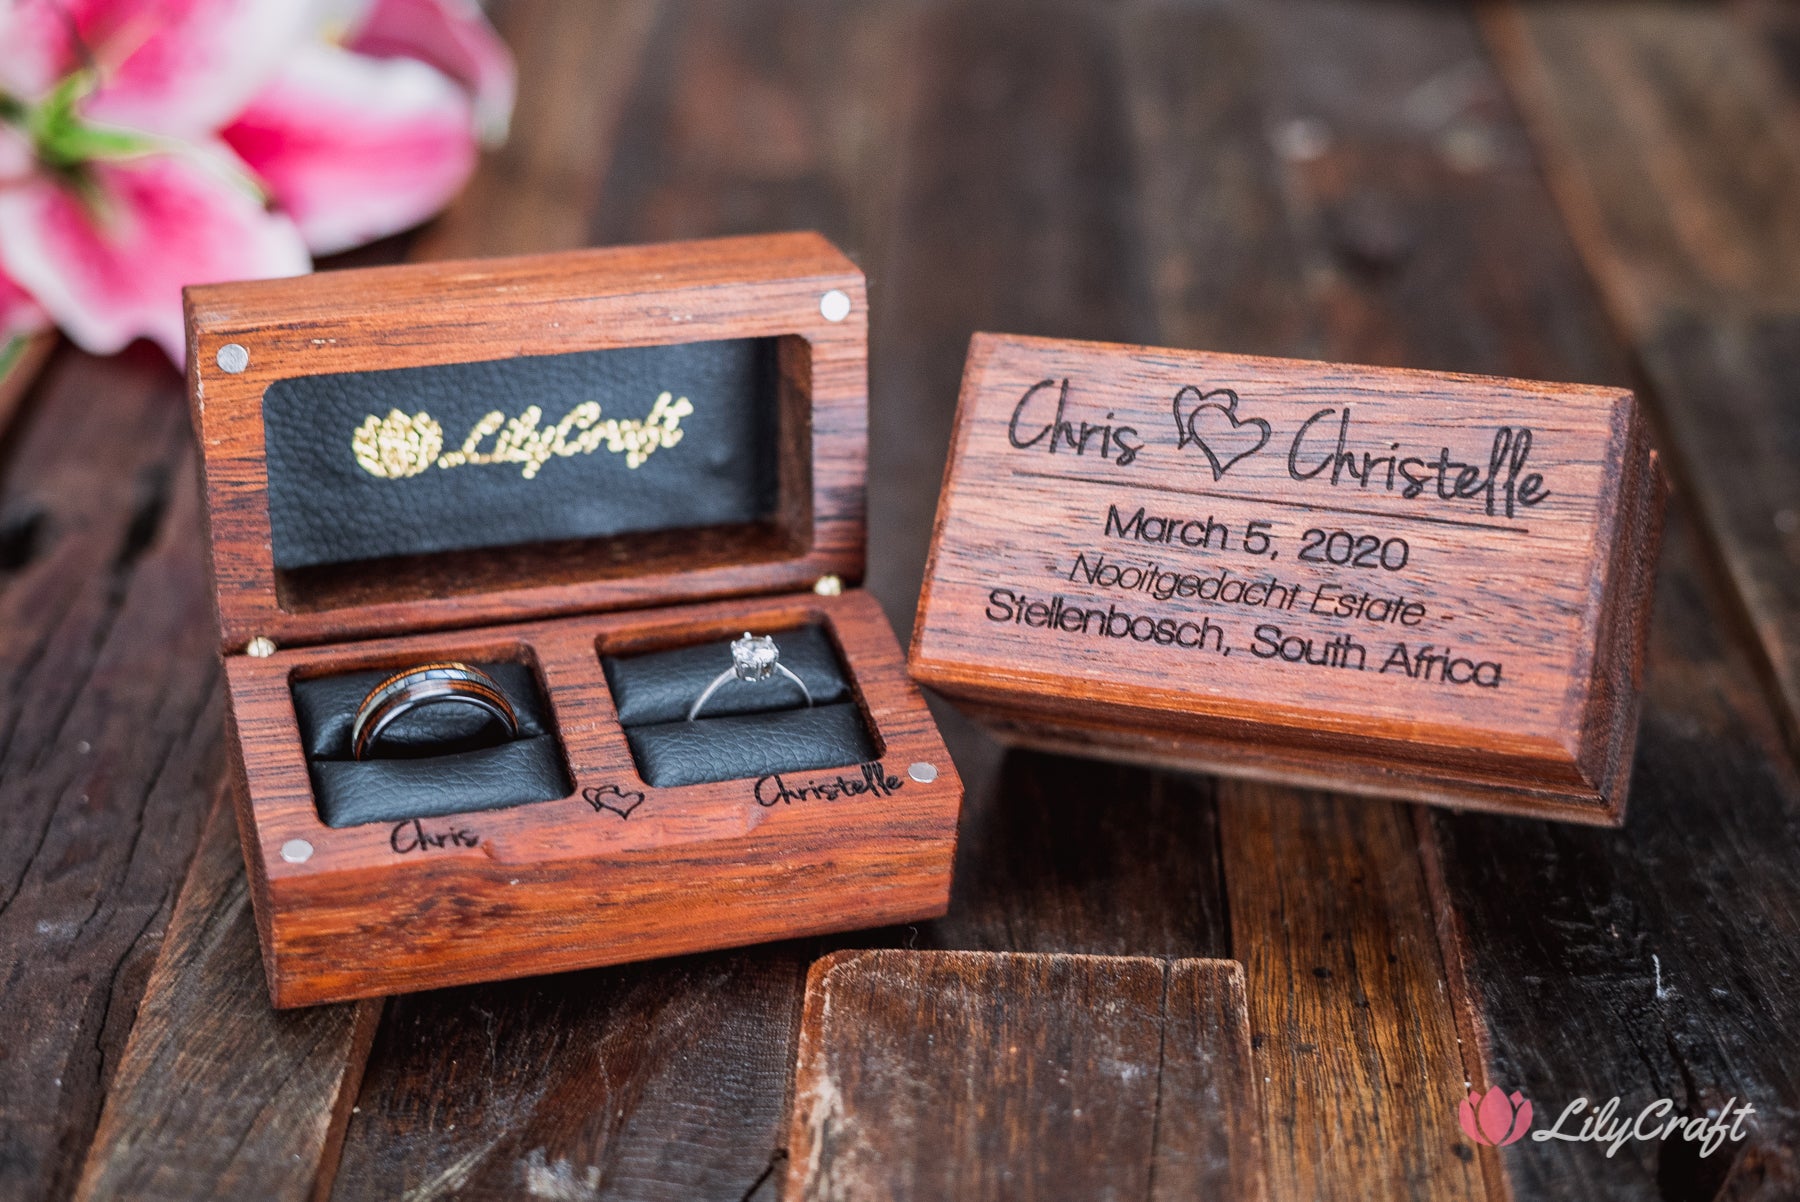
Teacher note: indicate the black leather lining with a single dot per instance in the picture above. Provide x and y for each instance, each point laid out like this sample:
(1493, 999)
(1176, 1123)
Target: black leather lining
(326, 508)
(745, 730)
(744, 746)
(442, 759)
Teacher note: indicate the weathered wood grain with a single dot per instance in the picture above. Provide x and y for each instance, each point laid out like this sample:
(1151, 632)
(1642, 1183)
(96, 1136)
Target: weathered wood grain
(539, 191)
(966, 1075)
(1674, 148)
(110, 723)
(1011, 209)
(1356, 1045)
(214, 1094)
(1655, 964)
(652, 1081)
(1062, 854)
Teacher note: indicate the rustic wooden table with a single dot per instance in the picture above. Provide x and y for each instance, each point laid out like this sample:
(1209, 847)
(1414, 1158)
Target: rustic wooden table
(1599, 192)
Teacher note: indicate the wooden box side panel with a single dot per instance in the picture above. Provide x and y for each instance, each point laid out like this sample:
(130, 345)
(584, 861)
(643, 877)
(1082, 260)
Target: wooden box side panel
(617, 870)
(1174, 467)
(430, 314)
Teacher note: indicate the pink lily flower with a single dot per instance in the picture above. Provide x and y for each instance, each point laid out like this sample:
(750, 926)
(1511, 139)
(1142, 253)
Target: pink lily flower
(150, 144)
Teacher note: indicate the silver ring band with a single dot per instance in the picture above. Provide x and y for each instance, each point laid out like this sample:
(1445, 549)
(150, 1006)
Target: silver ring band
(443, 683)
(754, 658)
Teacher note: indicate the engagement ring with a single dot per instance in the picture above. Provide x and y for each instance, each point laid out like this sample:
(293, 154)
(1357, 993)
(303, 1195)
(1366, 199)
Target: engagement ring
(754, 658)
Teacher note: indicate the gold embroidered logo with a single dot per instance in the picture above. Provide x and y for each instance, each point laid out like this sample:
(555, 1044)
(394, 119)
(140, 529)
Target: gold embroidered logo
(398, 446)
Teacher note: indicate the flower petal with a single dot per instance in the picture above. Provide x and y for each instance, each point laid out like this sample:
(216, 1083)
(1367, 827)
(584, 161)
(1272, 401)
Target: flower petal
(39, 47)
(456, 38)
(178, 67)
(109, 263)
(19, 313)
(355, 148)
(16, 160)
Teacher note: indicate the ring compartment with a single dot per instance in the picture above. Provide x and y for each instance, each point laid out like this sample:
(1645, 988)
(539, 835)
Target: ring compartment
(436, 760)
(616, 868)
(743, 724)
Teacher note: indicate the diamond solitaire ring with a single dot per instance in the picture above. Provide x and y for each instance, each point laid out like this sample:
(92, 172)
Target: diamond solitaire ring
(754, 658)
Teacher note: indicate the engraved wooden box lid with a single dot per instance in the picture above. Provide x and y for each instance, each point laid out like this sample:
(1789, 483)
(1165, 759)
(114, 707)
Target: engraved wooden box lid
(447, 441)
(1400, 583)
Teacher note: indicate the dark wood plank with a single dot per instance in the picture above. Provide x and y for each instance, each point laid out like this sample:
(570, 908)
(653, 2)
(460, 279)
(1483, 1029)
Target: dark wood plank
(215, 1095)
(1673, 144)
(1011, 209)
(1209, 1138)
(1658, 963)
(540, 190)
(659, 1081)
(1356, 1040)
(110, 724)
(1073, 855)
(924, 1075)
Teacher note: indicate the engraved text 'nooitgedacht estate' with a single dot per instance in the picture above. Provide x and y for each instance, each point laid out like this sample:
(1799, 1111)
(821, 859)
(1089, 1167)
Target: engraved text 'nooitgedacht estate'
(402, 445)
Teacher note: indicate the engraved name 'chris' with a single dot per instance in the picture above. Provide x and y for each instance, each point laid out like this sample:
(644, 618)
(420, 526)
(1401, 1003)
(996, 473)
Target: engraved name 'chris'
(1325, 448)
(402, 445)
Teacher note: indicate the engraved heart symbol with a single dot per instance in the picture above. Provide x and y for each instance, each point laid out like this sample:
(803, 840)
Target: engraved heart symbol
(1186, 426)
(625, 803)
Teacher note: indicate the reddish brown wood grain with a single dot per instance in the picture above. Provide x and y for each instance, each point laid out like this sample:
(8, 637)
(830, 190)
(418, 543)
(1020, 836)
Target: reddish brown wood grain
(970, 1075)
(389, 317)
(1555, 595)
(567, 884)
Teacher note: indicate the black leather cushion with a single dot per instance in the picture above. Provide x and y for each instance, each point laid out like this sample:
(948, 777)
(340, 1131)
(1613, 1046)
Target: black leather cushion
(492, 778)
(325, 508)
(746, 730)
(747, 746)
(661, 685)
(442, 759)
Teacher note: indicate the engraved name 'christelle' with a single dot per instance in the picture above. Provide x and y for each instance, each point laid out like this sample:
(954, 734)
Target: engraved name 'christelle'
(402, 445)
(872, 778)
(1229, 434)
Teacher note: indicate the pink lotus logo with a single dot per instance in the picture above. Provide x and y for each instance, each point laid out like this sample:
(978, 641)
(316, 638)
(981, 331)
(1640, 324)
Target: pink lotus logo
(1495, 1120)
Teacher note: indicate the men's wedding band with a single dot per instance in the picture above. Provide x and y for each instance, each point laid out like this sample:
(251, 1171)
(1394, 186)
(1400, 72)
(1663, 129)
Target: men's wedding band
(447, 683)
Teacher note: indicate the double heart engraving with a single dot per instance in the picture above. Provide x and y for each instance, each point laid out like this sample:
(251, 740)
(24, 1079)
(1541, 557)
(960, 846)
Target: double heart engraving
(1229, 437)
(613, 799)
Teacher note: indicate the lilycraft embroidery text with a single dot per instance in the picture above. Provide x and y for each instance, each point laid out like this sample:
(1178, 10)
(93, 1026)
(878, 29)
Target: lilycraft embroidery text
(402, 445)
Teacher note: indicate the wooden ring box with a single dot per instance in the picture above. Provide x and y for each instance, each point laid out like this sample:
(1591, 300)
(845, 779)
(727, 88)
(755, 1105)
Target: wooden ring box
(616, 870)
(1407, 584)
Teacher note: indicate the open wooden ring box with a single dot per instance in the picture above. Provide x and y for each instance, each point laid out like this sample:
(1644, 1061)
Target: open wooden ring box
(557, 467)
(1400, 583)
